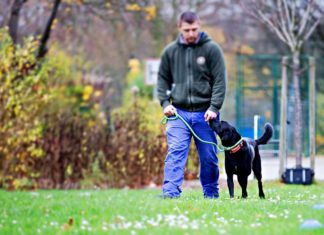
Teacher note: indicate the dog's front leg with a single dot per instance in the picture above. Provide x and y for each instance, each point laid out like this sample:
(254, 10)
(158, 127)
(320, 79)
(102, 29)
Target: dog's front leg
(230, 185)
(242, 179)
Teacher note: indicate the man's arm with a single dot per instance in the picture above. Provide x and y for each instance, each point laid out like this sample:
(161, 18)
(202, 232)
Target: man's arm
(164, 81)
(218, 71)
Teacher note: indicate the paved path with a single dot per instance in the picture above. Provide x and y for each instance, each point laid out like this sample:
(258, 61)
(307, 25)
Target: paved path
(270, 167)
(270, 171)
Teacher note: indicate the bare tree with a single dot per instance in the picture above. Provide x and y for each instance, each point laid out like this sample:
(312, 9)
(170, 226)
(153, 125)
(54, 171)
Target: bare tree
(293, 22)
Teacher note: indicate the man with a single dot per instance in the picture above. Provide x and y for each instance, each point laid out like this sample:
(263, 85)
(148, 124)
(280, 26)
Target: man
(192, 82)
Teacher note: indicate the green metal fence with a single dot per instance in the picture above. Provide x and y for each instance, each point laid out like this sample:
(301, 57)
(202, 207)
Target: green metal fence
(258, 93)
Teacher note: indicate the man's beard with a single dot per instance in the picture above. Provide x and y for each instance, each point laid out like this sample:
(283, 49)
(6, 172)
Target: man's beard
(191, 40)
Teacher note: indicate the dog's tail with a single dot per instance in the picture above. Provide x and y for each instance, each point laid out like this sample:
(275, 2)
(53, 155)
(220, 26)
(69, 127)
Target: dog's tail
(268, 132)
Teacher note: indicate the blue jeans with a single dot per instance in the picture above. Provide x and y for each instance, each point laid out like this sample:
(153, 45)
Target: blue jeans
(178, 138)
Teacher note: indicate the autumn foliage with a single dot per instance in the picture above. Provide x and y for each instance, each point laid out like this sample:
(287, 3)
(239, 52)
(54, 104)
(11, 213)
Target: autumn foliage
(54, 134)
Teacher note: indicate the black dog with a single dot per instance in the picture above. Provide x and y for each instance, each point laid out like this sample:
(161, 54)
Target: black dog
(241, 155)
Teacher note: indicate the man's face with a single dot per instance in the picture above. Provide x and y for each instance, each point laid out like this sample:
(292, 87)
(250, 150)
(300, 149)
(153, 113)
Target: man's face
(190, 32)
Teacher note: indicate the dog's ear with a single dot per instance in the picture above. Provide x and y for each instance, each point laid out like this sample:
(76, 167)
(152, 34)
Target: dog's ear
(225, 124)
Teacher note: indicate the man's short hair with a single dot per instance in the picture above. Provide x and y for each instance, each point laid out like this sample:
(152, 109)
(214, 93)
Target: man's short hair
(188, 17)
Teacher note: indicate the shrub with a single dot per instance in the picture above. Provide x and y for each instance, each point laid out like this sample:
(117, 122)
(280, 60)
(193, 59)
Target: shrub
(134, 153)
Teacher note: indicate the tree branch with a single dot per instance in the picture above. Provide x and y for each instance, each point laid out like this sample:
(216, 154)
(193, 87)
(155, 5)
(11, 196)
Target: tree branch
(272, 27)
(305, 19)
(311, 30)
(284, 24)
(47, 33)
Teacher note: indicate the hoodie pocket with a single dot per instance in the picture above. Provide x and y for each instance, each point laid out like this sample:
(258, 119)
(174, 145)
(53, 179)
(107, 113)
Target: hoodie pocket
(202, 89)
(179, 93)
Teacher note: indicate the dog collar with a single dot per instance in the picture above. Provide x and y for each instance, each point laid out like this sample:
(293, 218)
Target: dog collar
(237, 148)
(238, 143)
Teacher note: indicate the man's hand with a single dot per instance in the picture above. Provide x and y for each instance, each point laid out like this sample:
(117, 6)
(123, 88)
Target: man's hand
(209, 115)
(169, 110)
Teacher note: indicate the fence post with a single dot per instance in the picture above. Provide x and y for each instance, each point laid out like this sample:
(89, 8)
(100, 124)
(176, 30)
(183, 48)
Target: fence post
(283, 117)
(312, 112)
(255, 126)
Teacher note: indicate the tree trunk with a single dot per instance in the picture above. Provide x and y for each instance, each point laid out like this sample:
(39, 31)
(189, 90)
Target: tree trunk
(298, 109)
(14, 19)
(46, 35)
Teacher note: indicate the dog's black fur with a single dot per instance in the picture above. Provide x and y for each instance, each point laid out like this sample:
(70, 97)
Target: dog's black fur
(244, 158)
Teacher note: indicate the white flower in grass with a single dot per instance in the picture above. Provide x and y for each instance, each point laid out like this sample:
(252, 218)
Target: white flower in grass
(183, 226)
(171, 223)
(172, 217)
(153, 222)
(34, 194)
(300, 218)
(139, 225)
(49, 196)
(194, 225)
(82, 227)
(84, 222)
(14, 221)
(159, 217)
(104, 228)
(222, 231)
(272, 216)
(255, 225)
(222, 219)
(133, 232)
(183, 219)
(126, 225)
(54, 223)
(85, 194)
(120, 217)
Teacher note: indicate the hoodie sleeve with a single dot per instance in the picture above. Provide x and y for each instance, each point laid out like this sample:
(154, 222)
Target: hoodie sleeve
(219, 75)
(164, 80)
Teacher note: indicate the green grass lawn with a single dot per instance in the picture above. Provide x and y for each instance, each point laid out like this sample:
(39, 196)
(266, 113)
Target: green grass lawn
(283, 211)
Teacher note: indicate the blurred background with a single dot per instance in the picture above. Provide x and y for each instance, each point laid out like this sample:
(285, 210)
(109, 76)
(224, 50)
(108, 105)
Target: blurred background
(77, 110)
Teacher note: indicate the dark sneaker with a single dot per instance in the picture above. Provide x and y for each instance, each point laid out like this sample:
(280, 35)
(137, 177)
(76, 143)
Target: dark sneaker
(166, 196)
(211, 196)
